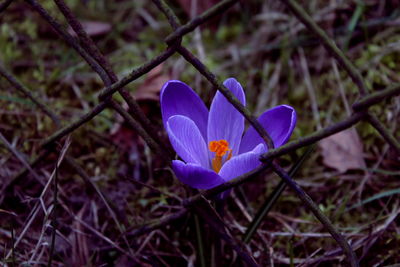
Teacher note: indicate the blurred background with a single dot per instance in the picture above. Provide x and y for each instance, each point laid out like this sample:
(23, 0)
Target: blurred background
(353, 175)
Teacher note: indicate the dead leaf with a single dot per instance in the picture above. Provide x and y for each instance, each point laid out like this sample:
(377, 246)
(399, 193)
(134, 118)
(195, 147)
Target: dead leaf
(93, 28)
(343, 151)
(126, 138)
(151, 87)
(148, 90)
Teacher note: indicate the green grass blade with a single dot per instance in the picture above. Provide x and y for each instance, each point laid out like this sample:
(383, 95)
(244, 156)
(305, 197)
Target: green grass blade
(200, 243)
(375, 197)
(353, 23)
(271, 200)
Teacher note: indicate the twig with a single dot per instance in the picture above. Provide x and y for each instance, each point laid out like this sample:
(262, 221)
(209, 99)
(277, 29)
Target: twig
(273, 197)
(376, 97)
(106, 92)
(158, 223)
(89, 53)
(74, 125)
(81, 172)
(190, 202)
(18, 155)
(41, 201)
(351, 257)
(329, 44)
(352, 71)
(204, 209)
(228, 94)
(4, 5)
(314, 137)
(172, 18)
(11, 182)
(70, 40)
(89, 46)
(389, 138)
(84, 38)
(191, 25)
(100, 65)
(177, 35)
(166, 154)
(34, 212)
(25, 91)
(136, 73)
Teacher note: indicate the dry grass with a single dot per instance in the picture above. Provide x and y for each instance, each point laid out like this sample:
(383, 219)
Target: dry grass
(110, 182)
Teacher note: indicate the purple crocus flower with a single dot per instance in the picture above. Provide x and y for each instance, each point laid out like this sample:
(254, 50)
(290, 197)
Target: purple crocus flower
(211, 143)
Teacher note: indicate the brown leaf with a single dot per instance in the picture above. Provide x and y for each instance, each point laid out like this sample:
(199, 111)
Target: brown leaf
(93, 28)
(343, 151)
(151, 87)
(148, 91)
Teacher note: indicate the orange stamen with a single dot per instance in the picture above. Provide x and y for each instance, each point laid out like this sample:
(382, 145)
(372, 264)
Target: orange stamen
(220, 148)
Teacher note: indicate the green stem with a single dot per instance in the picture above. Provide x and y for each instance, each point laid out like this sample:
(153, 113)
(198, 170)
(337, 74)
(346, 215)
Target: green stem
(306, 199)
(271, 200)
(200, 242)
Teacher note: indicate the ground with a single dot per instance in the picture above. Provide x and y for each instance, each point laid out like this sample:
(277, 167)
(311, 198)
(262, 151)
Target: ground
(110, 182)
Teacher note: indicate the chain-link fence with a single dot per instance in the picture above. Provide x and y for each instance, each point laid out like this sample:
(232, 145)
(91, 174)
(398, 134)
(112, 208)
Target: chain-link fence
(86, 48)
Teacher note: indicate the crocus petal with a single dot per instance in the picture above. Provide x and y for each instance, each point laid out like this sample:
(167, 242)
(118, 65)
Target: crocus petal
(242, 163)
(187, 141)
(279, 123)
(196, 176)
(224, 121)
(177, 98)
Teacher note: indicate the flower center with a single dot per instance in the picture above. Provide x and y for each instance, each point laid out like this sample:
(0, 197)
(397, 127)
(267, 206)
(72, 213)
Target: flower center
(220, 148)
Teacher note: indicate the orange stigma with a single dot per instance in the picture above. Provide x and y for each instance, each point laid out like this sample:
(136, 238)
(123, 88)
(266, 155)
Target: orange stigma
(220, 148)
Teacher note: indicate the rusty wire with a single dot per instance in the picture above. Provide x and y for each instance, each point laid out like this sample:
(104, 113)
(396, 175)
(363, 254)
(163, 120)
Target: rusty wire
(138, 121)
